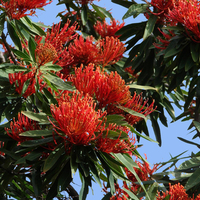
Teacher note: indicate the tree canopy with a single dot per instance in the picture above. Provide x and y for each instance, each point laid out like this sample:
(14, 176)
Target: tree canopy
(73, 103)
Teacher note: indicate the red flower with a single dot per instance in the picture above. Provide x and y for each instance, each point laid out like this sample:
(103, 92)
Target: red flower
(77, 118)
(176, 191)
(16, 9)
(20, 78)
(144, 172)
(107, 88)
(136, 104)
(104, 29)
(83, 51)
(23, 124)
(161, 8)
(187, 13)
(108, 145)
(45, 53)
(164, 42)
(110, 50)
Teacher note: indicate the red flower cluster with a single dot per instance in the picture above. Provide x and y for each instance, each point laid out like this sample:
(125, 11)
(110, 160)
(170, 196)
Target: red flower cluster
(160, 9)
(187, 13)
(175, 192)
(144, 172)
(136, 104)
(106, 51)
(16, 9)
(106, 88)
(109, 145)
(23, 124)
(77, 118)
(54, 49)
(104, 29)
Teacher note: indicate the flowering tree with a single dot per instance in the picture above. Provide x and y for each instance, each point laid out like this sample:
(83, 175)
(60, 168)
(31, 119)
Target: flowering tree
(71, 102)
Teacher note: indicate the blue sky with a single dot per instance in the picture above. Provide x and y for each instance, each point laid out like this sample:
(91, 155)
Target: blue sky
(170, 143)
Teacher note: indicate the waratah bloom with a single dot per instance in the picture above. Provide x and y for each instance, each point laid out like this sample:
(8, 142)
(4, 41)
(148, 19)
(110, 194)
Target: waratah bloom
(20, 78)
(106, 88)
(23, 124)
(160, 9)
(176, 191)
(117, 145)
(187, 13)
(45, 53)
(164, 42)
(77, 118)
(54, 49)
(83, 51)
(110, 50)
(104, 29)
(137, 104)
(144, 172)
(16, 9)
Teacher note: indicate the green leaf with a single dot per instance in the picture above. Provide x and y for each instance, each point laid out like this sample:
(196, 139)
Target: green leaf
(21, 55)
(124, 3)
(140, 135)
(131, 194)
(135, 10)
(130, 164)
(37, 133)
(141, 87)
(156, 129)
(84, 15)
(39, 117)
(33, 143)
(191, 163)
(25, 86)
(189, 142)
(32, 47)
(84, 189)
(53, 157)
(115, 134)
(197, 125)
(2, 20)
(131, 112)
(15, 69)
(193, 180)
(194, 50)
(37, 181)
(13, 35)
(150, 26)
(50, 67)
(103, 11)
(101, 15)
(60, 84)
(152, 192)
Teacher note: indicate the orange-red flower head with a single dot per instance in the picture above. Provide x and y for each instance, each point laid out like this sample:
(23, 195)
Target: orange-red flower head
(176, 191)
(110, 50)
(77, 118)
(83, 51)
(117, 145)
(45, 53)
(106, 88)
(16, 9)
(21, 125)
(187, 13)
(104, 29)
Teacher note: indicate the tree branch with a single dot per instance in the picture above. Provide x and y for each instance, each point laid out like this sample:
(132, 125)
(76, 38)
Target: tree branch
(8, 48)
(72, 192)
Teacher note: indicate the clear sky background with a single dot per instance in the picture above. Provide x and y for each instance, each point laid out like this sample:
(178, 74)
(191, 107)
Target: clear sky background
(170, 143)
